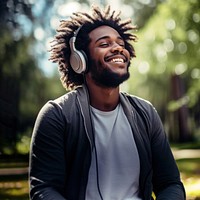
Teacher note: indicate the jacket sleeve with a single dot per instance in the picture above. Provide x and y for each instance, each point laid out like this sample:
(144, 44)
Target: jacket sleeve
(47, 159)
(166, 177)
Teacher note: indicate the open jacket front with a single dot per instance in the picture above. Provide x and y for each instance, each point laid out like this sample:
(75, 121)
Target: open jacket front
(63, 141)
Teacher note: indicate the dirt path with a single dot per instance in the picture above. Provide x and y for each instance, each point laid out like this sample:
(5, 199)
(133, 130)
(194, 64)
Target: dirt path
(178, 154)
(14, 171)
(186, 153)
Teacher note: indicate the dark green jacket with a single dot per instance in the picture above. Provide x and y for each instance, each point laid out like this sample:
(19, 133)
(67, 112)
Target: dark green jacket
(62, 143)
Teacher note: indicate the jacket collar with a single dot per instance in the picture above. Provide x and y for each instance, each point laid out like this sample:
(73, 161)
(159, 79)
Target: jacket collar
(83, 99)
(141, 143)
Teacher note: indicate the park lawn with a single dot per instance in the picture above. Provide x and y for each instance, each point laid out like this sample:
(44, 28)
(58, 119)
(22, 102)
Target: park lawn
(13, 164)
(16, 187)
(190, 174)
(190, 170)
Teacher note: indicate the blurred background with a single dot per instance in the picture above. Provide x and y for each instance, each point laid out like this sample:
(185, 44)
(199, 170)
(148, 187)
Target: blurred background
(166, 72)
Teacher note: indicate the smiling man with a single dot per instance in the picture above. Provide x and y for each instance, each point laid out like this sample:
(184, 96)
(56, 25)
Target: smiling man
(96, 142)
(109, 60)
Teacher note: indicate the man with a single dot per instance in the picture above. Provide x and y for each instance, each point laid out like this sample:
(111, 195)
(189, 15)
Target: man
(96, 142)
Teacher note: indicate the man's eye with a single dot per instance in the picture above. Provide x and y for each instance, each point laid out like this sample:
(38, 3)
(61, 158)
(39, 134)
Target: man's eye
(105, 44)
(122, 45)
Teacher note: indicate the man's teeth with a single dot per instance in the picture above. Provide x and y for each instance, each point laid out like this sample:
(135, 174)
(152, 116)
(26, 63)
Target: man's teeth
(116, 60)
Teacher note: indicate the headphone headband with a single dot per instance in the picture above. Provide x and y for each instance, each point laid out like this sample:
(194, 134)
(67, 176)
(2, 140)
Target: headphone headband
(77, 31)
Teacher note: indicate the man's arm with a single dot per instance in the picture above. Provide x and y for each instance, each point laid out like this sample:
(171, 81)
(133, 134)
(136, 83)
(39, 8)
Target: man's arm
(47, 159)
(166, 177)
(173, 192)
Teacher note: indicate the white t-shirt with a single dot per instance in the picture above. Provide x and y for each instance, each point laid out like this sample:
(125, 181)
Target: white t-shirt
(117, 158)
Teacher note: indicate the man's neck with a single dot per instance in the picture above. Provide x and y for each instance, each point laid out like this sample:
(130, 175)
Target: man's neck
(102, 98)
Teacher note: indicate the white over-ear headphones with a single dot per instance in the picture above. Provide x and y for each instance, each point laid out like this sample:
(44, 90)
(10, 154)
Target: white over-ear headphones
(78, 59)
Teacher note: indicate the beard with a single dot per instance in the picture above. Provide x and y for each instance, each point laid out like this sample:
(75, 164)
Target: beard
(105, 77)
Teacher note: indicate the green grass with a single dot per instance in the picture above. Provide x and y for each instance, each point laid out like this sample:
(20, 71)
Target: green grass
(190, 170)
(190, 166)
(14, 187)
(190, 175)
(189, 145)
(13, 164)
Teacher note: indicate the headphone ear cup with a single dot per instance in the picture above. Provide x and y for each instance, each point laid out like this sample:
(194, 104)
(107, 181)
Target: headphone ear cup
(78, 62)
(85, 60)
(78, 59)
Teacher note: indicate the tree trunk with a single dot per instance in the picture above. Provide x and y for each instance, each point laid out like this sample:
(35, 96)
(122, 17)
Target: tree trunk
(180, 129)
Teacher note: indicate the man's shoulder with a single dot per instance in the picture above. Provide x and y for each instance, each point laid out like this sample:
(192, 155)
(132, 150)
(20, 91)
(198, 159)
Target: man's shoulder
(70, 99)
(68, 96)
(139, 101)
(65, 101)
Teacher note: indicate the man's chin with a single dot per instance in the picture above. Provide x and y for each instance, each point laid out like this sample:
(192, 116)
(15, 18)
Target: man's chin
(107, 78)
(110, 79)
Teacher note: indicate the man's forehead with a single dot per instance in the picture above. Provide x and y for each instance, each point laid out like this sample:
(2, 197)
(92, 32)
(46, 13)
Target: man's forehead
(103, 32)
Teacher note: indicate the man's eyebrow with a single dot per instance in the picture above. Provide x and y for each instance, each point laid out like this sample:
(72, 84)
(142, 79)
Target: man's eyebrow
(106, 37)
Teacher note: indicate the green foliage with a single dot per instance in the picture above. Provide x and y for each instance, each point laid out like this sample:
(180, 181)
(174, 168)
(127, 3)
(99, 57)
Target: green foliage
(169, 46)
(14, 55)
(23, 145)
(24, 89)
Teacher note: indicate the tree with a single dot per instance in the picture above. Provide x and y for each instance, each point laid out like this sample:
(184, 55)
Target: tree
(9, 71)
(23, 86)
(167, 53)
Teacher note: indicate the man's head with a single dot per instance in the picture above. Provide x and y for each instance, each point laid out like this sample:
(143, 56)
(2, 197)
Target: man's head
(61, 52)
(109, 60)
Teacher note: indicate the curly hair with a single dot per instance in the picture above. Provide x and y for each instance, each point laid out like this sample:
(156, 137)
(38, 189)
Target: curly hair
(60, 50)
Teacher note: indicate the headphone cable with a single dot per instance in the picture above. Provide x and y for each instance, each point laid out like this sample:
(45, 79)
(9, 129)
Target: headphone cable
(93, 135)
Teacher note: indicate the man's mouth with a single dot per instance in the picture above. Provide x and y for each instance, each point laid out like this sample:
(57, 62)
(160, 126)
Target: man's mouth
(115, 59)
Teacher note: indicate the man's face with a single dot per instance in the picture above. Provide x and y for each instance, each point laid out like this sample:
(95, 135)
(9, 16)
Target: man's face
(109, 60)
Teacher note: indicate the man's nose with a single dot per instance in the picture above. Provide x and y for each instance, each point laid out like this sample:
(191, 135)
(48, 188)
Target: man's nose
(117, 48)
